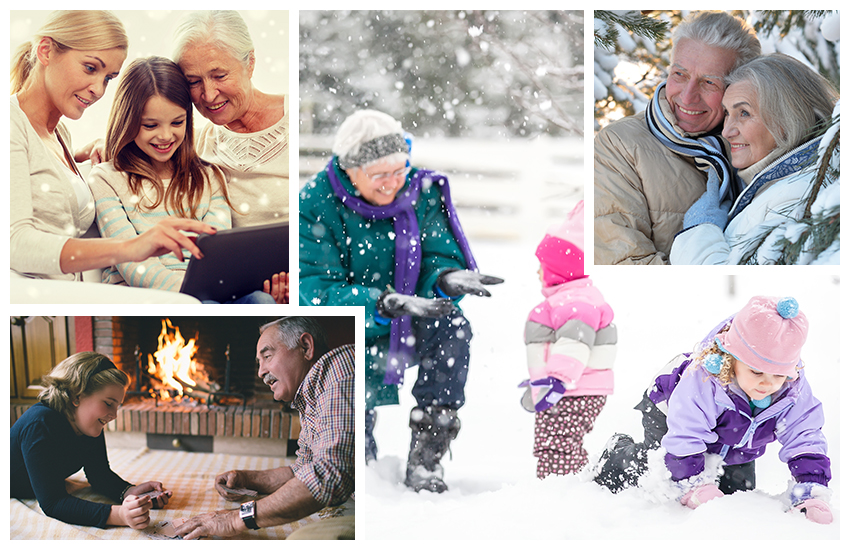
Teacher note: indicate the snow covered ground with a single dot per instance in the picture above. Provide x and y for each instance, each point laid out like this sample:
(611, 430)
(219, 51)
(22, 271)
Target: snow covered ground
(660, 312)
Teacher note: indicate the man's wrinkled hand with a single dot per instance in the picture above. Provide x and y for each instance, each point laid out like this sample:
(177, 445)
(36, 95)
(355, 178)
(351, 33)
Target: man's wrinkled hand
(222, 523)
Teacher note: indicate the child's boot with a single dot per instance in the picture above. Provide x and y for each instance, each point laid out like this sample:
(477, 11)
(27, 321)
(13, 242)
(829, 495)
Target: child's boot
(621, 464)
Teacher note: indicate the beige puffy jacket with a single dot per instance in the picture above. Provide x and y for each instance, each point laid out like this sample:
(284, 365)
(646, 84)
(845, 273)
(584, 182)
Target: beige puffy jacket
(642, 191)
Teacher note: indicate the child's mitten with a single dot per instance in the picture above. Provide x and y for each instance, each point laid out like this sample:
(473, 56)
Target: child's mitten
(810, 498)
(700, 495)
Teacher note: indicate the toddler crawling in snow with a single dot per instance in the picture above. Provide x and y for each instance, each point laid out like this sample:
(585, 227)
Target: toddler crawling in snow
(570, 344)
(742, 388)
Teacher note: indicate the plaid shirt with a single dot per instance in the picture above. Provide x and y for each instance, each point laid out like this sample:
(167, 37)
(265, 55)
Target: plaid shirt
(325, 403)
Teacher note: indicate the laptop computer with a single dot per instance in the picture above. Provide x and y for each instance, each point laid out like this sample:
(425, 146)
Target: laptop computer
(237, 261)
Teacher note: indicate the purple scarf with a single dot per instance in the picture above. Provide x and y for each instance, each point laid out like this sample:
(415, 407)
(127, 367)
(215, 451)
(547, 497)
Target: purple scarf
(408, 252)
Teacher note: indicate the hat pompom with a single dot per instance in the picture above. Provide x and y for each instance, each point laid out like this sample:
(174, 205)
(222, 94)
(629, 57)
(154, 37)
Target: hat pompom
(713, 363)
(788, 308)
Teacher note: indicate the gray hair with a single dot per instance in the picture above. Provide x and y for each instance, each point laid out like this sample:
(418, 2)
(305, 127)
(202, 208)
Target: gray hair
(290, 329)
(721, 30)
(222, 28)
(793, 100)
(362, 127)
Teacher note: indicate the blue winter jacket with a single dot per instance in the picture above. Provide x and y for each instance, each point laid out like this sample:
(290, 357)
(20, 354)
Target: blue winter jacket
(703, 417)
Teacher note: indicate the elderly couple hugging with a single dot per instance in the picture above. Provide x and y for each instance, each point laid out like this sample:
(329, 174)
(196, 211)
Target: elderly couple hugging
(652, 203)
(150, 185)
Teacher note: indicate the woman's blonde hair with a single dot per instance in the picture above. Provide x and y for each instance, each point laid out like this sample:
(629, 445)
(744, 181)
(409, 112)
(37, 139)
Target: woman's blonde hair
(69, 30)
(79, 375)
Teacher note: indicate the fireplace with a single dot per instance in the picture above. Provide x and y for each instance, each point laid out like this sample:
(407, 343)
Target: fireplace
(227, 400)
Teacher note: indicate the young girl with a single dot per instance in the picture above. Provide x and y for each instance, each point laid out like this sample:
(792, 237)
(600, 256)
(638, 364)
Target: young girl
(152, 171)
(571, 345)
(742, 388)
(63, 432)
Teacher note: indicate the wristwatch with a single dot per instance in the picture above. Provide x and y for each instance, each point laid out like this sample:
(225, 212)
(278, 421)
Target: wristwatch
(248, 513)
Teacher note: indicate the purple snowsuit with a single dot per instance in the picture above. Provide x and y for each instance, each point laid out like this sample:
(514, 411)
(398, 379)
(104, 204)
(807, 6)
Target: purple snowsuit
(704, 417)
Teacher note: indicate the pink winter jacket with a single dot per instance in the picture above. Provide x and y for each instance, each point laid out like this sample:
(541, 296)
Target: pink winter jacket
(569, 336)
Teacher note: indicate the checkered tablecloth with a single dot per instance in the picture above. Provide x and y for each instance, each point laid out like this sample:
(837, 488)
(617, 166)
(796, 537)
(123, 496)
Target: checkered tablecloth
(189, 475)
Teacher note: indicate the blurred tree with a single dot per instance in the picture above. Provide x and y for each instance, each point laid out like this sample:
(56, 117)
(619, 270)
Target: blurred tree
(453, 73)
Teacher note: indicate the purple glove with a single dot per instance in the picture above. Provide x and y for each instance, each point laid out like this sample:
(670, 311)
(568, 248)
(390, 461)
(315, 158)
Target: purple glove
(700, 495)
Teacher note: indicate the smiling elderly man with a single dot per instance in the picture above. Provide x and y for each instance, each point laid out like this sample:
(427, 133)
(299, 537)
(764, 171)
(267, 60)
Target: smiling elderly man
(649, 168)
(296, 363)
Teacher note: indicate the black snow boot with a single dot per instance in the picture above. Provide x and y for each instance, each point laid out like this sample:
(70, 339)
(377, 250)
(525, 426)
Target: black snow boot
(433, 430)
(371, 446)
(622, 462)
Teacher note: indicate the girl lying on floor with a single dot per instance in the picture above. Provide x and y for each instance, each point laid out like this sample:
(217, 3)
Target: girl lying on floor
(63, 432)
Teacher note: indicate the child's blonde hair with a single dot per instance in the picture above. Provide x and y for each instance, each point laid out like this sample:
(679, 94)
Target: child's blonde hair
(79, 375)
(714, 353)
(727, 371)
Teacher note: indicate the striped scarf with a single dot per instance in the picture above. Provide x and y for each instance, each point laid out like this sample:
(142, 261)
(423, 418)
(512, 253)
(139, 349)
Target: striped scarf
(708, 151)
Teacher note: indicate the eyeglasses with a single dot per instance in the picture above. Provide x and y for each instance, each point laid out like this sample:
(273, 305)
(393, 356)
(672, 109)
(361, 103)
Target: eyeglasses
(387, 175)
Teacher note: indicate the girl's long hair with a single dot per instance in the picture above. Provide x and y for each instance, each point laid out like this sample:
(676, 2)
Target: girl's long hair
(79, 375)
(144, 79)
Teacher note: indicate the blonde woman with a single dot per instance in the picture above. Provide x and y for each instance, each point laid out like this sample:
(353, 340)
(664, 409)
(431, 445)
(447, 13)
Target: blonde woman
(63, 432)
(60, 73)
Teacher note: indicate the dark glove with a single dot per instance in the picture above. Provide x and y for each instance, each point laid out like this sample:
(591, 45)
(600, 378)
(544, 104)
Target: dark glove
(454, 282)
(708, 208)
(393, 304)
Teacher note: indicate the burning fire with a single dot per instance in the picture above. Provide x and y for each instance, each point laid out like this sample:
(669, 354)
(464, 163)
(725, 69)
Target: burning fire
(172, 364)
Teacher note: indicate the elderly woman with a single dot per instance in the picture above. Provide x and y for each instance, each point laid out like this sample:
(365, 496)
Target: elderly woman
(249, 130)
(376, 233)
(60, 73)
(773, 104)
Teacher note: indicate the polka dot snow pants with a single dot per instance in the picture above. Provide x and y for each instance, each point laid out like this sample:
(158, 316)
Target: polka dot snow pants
(559, 433)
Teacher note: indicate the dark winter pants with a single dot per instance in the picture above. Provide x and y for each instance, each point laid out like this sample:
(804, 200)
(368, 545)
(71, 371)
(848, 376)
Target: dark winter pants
(442, 353)
(559, 433)
(626, 463)
(442, 346)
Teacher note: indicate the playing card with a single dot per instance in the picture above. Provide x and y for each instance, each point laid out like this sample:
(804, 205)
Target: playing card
(240, 491)
(164, 530)
(152, 494)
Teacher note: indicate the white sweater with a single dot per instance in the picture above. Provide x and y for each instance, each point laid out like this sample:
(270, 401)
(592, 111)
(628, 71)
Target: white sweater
(49, 203)
(771, 208)
(258, 168)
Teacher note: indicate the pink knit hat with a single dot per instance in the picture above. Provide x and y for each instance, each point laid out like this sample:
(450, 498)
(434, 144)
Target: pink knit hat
(561, 251)
(767, 335)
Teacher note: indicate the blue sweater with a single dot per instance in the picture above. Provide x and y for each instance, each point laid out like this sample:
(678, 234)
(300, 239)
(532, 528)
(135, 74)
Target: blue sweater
(44, 451)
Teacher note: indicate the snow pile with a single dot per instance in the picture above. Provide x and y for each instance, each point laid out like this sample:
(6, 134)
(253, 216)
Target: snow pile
(493, 489)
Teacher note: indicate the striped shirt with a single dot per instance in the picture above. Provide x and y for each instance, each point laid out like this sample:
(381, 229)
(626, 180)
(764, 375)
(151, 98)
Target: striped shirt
(119, 216)
(325, 403)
